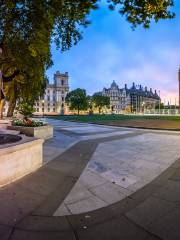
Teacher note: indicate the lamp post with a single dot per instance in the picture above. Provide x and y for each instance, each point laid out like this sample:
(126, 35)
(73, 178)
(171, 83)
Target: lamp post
(43, 107)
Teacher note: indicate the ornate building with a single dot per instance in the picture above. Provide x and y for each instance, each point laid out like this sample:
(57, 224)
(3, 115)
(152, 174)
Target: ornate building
(134, 99)
(53, 101)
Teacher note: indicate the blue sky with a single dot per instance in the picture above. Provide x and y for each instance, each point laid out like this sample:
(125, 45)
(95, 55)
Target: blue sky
(110, 50)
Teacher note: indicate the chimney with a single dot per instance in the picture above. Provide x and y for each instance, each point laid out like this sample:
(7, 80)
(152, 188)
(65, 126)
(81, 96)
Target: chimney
(125, 86)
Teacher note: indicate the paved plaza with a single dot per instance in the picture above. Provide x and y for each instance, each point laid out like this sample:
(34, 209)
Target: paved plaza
(98, 182)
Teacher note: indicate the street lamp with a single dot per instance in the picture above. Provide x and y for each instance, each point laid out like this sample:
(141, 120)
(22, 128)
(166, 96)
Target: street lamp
(43, 107)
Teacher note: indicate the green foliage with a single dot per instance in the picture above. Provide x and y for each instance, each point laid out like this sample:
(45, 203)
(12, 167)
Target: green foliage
(27, 123)
(161, 106)
(25, 109)
(27, 29)
(96, 118)
(77, 100)
(101, 101)
(142, 12)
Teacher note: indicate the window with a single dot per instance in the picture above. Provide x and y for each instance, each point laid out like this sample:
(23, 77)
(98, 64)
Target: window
(53, 109)
(62, 105)
(48, 104)
(62, 82)
(53, 104)
(48, 98)
(37, 109)
(48, 109)
(62, 98)
(42, 109)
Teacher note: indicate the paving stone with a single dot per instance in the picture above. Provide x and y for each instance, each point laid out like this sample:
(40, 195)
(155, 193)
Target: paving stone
(5, 232)
(169, 191)
(54, 200)
(43, 181)
(144, 192)
(116, 229)
(86, 205)
(78, 221)
(176, 175)
(29, 235)
(167, 228)
(163, 177)
(91, 179)
(150, 210)
(78, 193)
(16, 202)
(62, 210)
(109, 192)
(43, 223)
(176, 164)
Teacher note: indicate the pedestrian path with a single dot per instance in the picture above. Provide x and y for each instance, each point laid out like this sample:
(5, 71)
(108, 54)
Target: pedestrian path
(100, 183)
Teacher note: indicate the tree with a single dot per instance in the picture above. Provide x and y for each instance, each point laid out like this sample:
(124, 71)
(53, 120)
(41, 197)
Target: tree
(101, 101)
(27, 28)
(77, 100)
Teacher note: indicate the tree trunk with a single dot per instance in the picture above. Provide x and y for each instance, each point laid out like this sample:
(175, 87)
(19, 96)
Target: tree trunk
(12, 105)
(78, 111)
(99, 110)
(2, 102)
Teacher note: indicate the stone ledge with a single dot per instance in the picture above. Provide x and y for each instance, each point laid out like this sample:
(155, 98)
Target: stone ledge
(44, 132)
(20, 159)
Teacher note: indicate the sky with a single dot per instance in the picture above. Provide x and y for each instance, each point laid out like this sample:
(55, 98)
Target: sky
(111, 50)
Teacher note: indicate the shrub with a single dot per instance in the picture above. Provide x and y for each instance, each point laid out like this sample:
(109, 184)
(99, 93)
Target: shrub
(27, 123)
(25, 109)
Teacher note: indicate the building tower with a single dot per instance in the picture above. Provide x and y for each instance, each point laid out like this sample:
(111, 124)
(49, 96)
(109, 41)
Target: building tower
(61, 82)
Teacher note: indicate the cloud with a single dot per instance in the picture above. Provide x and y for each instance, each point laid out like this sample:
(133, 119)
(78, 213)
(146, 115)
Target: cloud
(110, 51)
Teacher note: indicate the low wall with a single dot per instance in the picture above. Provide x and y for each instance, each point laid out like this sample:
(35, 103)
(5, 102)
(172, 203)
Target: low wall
(44, 132)
(4, 123)
(19, 159)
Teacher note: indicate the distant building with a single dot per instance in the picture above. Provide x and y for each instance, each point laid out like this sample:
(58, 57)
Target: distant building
(134, 99)
(53, 101)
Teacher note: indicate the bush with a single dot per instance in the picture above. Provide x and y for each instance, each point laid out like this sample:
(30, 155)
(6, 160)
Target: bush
(25, 109)
(27, 123)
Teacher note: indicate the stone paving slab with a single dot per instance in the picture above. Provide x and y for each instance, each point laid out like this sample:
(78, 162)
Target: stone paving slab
(167, 227)
(114, 229)
(27, 206)
(129, 163)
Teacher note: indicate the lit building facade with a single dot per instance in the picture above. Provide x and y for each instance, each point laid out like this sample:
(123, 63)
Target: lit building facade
(134, 99)
(53, 101)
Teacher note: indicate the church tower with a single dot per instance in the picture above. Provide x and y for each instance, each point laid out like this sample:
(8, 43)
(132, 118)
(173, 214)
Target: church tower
(179, 85)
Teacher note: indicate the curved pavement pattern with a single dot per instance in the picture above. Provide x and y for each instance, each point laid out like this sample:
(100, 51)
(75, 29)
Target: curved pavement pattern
(98, 182)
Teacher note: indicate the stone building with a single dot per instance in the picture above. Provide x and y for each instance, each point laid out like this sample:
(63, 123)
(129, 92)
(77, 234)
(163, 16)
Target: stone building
(133, 99)
(53, 101)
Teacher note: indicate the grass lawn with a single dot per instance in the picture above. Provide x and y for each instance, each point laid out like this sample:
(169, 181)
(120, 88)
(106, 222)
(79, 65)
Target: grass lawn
(114, 117)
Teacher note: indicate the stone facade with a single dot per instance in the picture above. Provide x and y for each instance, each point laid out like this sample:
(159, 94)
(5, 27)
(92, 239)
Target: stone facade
(134, 99)
(53, 101)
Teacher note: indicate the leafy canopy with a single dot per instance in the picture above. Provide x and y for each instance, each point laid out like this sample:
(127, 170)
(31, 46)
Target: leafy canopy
(77, 100)
(28, 27)
(101, 101)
